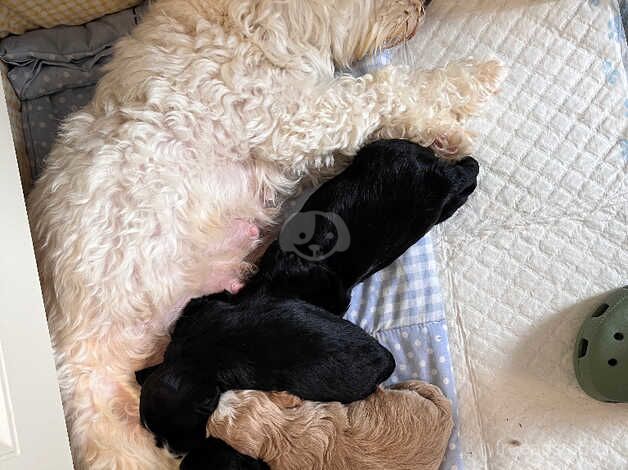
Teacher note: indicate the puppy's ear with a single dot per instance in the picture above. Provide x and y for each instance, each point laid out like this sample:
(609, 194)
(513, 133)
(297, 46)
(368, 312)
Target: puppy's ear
(142, 375)
(285, 400)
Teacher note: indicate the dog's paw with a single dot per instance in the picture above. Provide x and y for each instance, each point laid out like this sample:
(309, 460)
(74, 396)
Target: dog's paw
(453, 141)
(460, 88)
(490, 75)
(474, 79)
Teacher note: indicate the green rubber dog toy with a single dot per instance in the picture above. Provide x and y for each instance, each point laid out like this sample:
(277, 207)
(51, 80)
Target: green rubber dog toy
(601, 357)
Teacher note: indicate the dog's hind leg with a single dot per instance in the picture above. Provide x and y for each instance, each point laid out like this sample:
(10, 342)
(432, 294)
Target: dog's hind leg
(105, 429)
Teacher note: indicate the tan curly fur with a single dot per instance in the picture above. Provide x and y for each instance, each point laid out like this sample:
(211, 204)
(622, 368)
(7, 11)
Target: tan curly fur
(211, 114)
(404, 428)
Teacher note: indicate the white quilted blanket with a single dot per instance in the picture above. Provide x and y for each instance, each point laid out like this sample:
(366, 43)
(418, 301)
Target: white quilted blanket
(545, 232)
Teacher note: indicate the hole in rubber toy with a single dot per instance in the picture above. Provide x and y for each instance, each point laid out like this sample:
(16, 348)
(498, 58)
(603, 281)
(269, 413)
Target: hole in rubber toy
(612, 362)
(582, 350)
(600, 311)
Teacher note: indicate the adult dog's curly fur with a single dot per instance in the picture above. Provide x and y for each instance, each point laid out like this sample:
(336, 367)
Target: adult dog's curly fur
(404, 428)
(211, 114)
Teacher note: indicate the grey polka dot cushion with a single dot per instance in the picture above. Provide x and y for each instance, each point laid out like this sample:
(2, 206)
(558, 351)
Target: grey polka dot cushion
(54, 72)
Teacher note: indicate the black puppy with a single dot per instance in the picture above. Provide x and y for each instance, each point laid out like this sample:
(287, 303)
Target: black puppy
(278, 332)
(358, 223)
(269, 344)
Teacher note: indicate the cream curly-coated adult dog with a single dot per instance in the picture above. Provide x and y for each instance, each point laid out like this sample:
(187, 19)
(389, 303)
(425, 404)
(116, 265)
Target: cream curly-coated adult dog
(404, 428)
(211, 114)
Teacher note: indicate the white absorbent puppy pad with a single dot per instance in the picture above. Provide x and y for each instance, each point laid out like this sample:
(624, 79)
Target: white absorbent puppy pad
(545, 232)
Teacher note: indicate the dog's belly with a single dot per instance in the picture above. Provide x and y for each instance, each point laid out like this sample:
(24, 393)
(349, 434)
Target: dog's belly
(113, 287)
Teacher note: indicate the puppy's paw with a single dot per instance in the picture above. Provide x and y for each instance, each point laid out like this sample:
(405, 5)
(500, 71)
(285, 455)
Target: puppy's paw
(285, 400)
(476, 81)
(490, 75)
(424, 389)
(430, 392)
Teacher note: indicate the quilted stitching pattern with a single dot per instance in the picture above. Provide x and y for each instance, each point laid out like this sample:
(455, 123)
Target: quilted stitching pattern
(545, 232)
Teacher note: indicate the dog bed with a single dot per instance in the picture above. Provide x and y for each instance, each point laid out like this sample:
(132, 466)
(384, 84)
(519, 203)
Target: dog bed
(545, 232)
(53, 72)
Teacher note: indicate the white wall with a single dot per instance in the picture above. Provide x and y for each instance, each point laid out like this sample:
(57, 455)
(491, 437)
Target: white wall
(32, 429)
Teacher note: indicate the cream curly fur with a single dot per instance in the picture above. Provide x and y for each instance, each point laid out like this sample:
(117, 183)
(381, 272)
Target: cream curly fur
(404, 428)
(212, 113)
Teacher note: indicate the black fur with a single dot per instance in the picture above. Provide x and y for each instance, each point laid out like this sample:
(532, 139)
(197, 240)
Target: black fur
(216, 455)
(278, 332)
(392, 194)
(267, 344)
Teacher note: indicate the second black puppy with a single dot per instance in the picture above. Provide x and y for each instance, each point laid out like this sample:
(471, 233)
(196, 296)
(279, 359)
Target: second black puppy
(280, 344)
(277, 333)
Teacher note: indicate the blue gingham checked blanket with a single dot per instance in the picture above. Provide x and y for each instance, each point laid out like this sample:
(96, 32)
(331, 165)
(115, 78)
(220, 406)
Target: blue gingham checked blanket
(403, 308)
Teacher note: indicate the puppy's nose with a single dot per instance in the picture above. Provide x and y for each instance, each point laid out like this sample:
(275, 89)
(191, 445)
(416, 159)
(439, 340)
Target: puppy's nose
(471, 167)
(464, 176)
